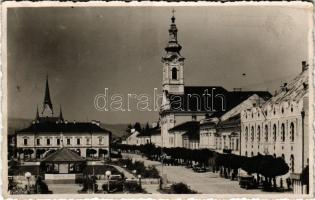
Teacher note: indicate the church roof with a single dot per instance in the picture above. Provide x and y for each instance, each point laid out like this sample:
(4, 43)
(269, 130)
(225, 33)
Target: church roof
(189, 103)
(63, 155)
(65, 127)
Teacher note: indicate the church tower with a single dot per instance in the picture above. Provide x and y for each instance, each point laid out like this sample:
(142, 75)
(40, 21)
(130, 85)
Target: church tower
(173, 62)
(48, 110)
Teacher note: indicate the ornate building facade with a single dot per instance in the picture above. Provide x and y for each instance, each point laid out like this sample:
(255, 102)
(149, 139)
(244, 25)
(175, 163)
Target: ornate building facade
(279, 127)
(48, 133)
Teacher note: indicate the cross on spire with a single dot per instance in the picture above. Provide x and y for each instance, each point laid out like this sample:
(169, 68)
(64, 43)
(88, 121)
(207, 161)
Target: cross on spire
(173, 17)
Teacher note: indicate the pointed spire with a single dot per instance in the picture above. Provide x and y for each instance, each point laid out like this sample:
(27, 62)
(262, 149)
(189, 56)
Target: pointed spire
(47, 101)
(60, 114)
(37, 113)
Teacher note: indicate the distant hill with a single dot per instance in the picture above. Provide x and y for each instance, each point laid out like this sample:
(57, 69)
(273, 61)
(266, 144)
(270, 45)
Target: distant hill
(118, 130)
(15, 124)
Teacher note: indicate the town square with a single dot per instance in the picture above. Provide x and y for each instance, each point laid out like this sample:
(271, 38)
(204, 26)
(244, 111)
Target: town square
(159, 100)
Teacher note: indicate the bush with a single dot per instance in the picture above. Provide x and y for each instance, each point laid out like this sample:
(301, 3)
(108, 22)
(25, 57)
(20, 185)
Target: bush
(181, 188)
(41, 187)
(132, 187)
(149, 172)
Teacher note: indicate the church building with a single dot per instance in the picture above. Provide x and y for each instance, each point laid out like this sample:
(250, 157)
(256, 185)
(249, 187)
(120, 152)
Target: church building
(49, 132)
(181, 103)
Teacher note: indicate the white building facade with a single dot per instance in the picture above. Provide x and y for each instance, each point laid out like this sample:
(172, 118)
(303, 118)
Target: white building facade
(48, 132)
(280, 126)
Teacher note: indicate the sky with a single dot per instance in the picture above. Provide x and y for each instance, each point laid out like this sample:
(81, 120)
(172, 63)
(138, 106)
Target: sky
(85, 50)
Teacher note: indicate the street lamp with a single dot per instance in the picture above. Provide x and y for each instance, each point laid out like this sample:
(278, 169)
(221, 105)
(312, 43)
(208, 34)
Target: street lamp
(139, 177)
(93, 178)
(28, 176)
(108, 174)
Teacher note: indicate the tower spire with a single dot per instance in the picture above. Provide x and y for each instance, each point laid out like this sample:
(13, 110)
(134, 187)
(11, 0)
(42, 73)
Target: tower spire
(60, 114)
(47, 101)
(173, 45)
(37, 113)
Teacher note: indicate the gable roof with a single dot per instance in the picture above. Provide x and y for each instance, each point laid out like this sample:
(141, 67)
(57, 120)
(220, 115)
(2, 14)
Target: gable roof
(63, 155)
(233, 122)
(294, 90)
(69, 127)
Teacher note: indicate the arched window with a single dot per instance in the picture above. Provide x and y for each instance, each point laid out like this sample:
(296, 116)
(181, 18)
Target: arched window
(252, 134)
(246, 153)
(246, 133)
(266, 133)
(174, 73)
(258, 133)
(252, 154)
(282, 132)
(274, 131)
(292, 163)
(283, 157)
(292, 131)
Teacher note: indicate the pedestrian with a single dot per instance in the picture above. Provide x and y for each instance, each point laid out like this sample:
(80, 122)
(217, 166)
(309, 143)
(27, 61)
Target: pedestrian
(281, 183)
(288, 183)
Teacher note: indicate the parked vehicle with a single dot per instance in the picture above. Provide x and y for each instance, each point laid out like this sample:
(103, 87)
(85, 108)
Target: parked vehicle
(247, 181)
(199, 169)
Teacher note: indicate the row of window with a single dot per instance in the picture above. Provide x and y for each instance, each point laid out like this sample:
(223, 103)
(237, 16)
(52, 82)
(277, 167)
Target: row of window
(266, 113)
(274, 133)
(48, 141)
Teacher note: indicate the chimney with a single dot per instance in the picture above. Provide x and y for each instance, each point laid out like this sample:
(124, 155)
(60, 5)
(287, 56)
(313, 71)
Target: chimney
(304, 66)
(284, 87)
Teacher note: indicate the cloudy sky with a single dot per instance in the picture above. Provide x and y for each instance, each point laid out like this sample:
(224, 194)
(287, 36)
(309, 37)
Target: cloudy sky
(85, 50)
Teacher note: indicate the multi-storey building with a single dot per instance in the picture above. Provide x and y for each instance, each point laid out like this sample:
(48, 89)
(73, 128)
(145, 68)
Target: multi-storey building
(48, 132)
(279, 126)
(222, 133)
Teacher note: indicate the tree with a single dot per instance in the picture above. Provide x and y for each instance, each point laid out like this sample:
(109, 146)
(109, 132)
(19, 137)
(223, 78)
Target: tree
(28, 152)
(271, 167)
(181, 188)
(19, 152)
(137, 127)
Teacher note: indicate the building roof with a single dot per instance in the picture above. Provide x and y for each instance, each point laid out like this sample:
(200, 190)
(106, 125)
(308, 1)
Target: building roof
(65, 127)
(293, 91)
(188, 101)
(192, 134)
(186, 126)
(63, 155)
(233, 122)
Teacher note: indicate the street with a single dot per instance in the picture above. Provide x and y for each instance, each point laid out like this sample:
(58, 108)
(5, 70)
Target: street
(205, 183)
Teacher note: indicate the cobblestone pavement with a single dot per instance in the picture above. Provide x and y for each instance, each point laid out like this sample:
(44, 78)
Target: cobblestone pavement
(205, 183)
